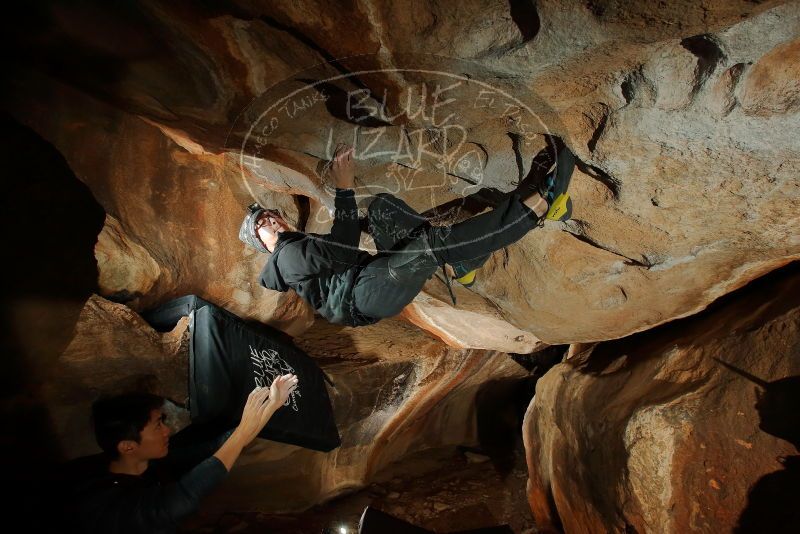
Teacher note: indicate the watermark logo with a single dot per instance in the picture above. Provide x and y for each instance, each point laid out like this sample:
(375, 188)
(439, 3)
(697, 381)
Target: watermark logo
(432, 138)
(268, 365)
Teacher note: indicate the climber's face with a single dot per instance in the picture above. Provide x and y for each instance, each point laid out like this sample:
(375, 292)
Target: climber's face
(268, 226)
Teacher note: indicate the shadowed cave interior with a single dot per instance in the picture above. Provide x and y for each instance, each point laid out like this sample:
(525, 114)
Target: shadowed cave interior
(632, 369)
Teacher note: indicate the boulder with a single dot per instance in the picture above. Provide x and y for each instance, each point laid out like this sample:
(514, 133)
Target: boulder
(175, 116)
(664, 431)
(682, 119)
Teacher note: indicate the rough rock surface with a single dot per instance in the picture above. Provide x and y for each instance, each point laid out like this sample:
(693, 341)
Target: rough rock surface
(397, 390)
(683, 119)
(172, 218)
(471, 323)
(651, 433)
(683, 114)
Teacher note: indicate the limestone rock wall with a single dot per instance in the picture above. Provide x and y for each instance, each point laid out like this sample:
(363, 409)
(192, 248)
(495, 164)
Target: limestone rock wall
(683, 116)
(173, 216)
(652, 434)
(683, 119)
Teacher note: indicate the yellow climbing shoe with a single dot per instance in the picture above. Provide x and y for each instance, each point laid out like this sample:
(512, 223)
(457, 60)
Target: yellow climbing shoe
(560, 209)
(557, 197)
(468, 279)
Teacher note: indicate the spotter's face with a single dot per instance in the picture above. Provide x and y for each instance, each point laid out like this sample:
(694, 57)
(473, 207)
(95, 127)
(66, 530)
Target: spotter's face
(153, 439)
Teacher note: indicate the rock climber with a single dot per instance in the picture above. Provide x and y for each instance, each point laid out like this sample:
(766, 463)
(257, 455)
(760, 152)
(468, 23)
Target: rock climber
(145, 481)
(352, 287)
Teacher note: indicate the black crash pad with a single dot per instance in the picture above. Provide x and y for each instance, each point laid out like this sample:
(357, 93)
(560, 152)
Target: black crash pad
(228, 357)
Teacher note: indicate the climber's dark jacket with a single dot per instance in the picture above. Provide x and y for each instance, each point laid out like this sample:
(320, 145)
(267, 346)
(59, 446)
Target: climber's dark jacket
(322, 269)
(154, 502)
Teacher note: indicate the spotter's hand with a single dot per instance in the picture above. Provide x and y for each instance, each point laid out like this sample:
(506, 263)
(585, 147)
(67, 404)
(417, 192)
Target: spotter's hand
(281, 388)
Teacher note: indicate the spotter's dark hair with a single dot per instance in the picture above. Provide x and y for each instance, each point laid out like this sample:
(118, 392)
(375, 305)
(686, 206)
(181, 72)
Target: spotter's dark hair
(122, 417)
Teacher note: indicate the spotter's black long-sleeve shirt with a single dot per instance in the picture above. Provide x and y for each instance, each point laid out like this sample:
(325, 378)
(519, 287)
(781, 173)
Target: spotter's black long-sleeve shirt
(154, 502)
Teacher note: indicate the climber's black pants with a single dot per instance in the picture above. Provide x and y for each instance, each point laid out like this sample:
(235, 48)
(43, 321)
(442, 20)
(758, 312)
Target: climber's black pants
(405, 241)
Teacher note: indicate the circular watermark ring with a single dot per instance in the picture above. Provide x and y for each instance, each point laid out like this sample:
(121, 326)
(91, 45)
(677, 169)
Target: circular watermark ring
(277, 120)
